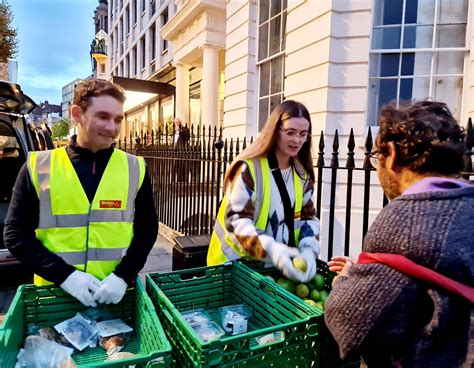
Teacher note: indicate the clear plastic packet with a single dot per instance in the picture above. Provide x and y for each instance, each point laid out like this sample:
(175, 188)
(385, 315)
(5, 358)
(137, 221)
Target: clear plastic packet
(208, 331)
(114, 344)
(97, 314)
(50, 334)
(78, 331)
(40, 352)
(119, 356)
(235, 318)
(32, 329)
(112, 327)
(200, 321)
(196, 316)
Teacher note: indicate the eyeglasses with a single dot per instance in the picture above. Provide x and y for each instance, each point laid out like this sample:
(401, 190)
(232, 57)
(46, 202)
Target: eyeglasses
(373, 158)
(305, 136)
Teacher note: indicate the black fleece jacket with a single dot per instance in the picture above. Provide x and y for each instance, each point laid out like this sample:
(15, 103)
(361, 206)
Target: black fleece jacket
(23, 218)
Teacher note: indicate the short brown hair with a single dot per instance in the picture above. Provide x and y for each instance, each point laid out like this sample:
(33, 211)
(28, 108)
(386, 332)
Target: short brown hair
(89, 88)
(427, 137)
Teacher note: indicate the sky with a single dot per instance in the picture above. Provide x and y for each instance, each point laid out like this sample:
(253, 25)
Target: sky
(54, 38)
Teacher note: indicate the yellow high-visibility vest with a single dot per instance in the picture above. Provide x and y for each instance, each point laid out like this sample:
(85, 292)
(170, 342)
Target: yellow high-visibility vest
(221, 248)
(92, 237)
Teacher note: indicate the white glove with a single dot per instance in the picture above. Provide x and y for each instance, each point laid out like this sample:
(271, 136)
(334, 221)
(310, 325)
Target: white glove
(308, 255)
(281, 256)
(111, 290)
(82, 286)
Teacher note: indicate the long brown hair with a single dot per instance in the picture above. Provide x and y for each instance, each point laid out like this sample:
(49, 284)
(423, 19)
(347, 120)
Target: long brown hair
(266, 141)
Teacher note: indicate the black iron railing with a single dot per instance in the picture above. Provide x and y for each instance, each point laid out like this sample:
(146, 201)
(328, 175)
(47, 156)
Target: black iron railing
(187, 169)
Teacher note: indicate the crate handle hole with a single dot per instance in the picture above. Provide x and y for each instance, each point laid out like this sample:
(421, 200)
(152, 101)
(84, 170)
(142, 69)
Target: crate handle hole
(312, 330)
(214, 357)
(192, 275)
(266, 340)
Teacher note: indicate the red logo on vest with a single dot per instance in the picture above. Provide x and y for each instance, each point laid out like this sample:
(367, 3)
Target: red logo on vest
(110, 204)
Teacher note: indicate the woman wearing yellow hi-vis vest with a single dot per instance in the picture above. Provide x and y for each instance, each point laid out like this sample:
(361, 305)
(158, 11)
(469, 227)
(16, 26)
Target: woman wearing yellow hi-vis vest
(75, 210)
(267, 212)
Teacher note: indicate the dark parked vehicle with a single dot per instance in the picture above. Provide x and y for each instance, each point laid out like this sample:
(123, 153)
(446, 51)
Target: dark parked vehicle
(17, 138)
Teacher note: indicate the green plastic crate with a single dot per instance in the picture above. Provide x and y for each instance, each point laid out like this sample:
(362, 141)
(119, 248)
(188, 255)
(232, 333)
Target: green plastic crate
(296, 323)
(48, 305)
(329, 350)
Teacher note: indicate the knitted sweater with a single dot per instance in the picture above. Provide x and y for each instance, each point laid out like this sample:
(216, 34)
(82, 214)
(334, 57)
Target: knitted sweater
(392, 320)
(239, 222)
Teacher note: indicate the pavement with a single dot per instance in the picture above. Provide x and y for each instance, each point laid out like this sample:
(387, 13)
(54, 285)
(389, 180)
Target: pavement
(159, 260)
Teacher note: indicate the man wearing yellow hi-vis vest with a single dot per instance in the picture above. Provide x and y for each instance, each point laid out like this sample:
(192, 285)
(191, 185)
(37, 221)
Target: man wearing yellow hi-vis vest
(75, 210)
(267, 212)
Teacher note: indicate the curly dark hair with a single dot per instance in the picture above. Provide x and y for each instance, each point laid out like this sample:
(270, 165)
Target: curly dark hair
(89, 88)
(427, 137)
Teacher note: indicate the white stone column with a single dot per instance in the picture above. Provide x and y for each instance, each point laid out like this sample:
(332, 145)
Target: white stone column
(182, 92)
(210, 85)
(147, 122)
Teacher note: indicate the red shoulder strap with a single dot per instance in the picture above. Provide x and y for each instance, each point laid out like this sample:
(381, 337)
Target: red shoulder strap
(410, 268)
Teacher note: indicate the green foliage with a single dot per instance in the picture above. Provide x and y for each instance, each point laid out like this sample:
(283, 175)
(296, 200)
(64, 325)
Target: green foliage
(8, 34)
(60, 129)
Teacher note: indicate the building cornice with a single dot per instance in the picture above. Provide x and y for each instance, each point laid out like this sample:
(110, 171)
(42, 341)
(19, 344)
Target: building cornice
(186, 15)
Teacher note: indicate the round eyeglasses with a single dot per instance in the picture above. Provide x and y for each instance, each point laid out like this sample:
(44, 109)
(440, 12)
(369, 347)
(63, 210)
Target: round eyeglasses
(304, 136)
(374, 161)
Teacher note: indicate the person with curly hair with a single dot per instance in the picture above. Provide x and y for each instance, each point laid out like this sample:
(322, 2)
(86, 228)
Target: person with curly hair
(407, 302)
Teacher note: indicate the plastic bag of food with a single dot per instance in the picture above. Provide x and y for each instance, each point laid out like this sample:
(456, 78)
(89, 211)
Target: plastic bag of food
(196, 316)
(40, 352)
(235, 318)
(119, 356)
(114, 344)
(50, 334)
(208, 331)
(97, 314)
(78, 331)
(112, 327)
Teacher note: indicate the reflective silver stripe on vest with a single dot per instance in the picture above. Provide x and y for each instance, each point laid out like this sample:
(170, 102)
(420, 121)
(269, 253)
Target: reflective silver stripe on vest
(226, 248)
(114, 254)
(47, 220)
(257, 167)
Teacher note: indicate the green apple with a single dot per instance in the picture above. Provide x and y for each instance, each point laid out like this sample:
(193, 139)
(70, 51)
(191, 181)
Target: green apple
(315, 295)
(310, 302)
(302, 290)
(271, 278)
(318, 282)
(324, 296)
(300, 264)
(319, 305)
(287, 285)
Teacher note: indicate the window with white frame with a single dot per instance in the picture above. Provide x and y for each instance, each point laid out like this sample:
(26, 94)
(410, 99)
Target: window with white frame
(134, 10)
(152, 42)
(418, 52)
(164, 20)
(271, 56)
